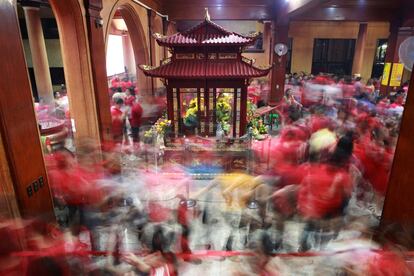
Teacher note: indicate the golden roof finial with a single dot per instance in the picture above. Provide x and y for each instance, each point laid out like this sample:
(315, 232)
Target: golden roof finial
(207, 16)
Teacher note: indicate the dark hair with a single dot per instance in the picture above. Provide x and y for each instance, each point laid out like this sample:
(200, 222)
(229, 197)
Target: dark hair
(161, 241)
(101, 272)
(343, 150)
(44, 266)
(132, 90)
(288, 91)
(119, 89)
(119, 101)
(347, 79)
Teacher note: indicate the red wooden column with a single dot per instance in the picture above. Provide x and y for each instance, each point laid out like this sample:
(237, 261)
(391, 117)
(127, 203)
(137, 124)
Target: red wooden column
(392, 50)
(280, 35)
(170, 107)
(153, 62)
(18, 126)
(243, 110)
(359, 49)
(98, 64)
(165, 24)
(398, 206)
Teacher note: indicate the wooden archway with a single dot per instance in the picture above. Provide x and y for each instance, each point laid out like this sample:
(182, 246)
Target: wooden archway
(74, 47)
(137, 36)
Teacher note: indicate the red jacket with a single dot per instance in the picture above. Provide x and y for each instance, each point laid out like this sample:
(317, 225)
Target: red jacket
(323, 191)
(117, 121)
(129, 101)
(136, 115)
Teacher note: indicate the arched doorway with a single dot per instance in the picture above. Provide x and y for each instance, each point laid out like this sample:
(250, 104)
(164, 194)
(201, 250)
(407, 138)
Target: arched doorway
(74, 46)
(20, 137)
(127, 12)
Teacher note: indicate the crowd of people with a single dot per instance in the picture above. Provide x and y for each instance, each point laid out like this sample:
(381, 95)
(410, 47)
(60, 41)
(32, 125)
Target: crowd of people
(125, 111)
(129, 110)
(314, 210)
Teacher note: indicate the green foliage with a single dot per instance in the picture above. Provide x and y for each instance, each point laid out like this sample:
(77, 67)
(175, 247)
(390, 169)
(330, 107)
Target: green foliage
(256, 123)
(190, 118)
(223, 109)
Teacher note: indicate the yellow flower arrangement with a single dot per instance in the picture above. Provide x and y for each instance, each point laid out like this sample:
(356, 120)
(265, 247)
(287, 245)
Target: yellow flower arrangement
(159, 128)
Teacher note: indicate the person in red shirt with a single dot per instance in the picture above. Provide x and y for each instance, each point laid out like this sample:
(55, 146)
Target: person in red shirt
(130, 97)
(135, 120)
(118, 120)
(326, 189)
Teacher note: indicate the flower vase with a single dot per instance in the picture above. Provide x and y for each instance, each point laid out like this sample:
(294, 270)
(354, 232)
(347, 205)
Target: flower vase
(160, 142)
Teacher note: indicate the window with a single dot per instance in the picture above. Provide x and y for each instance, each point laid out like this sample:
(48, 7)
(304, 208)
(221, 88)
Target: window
(379, 59)
(334, 56)
(257, 47)
(115, 56)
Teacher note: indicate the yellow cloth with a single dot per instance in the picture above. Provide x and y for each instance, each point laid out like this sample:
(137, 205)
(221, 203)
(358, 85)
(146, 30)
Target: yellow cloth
(321, 140)
(236, 187)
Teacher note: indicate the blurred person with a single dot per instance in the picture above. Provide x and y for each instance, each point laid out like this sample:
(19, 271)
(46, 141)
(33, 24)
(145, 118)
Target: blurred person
(292, 108)
(47, 266)
(57, 95)
(160, 260)
(287, 153)
(326, 188)
(118, 94)
(348, 88)
(369, 87)
(118, 121)
(130, 96)
(376, 160)
(318, 120)
(135, 120)
(238, 190)
(66, 185)
(359, 87)
(11, 234)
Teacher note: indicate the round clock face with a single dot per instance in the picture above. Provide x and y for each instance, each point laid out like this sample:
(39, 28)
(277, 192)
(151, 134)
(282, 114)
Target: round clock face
(406, 53)
(281, 49)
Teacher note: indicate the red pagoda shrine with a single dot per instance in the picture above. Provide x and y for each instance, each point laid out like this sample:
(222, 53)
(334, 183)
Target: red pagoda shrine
(206, 79)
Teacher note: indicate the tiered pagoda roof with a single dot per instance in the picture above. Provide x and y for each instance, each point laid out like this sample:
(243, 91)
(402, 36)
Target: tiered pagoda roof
(207, 32)
(209, 69)
(193, 66)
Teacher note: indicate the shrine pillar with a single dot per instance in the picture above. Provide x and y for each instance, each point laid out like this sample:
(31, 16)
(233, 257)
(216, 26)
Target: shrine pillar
(165, 24)
(170, 107)
(243, 111)
(151, 19)
(392, 51)
(359, 49)
(280, 34)
(398, 207)
(98, 64)
(38, 51)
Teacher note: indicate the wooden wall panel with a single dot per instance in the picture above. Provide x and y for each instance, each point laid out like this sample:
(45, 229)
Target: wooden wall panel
(346, 14)
(398, 206)
(98, 64)
(304, 33)
(8, 200)
(227, 9)
(18, 126)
